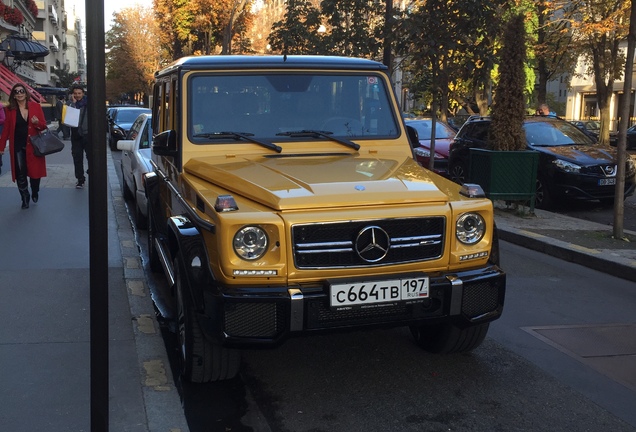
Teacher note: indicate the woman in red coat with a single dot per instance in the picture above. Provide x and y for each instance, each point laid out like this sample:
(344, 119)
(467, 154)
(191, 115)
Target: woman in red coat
(24, 118)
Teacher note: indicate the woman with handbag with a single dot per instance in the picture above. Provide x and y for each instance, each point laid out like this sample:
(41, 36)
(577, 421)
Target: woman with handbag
(23, 119)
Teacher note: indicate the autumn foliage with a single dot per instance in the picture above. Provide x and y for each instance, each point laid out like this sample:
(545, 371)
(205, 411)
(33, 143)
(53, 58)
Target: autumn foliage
(134, 53)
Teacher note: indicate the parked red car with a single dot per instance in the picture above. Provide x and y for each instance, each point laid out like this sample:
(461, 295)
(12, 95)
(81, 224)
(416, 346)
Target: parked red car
(444, 135)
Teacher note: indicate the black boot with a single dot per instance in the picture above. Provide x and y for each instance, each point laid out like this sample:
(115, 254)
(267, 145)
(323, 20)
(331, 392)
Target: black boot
(35, 189)
(25, 198)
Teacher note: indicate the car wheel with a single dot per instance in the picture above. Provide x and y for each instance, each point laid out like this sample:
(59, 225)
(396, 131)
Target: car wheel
(200, 359)
(125, 190)
(448, 338)
(542, 196)
(141, 221)
(458, 172)
(112, 144)
(153, 255)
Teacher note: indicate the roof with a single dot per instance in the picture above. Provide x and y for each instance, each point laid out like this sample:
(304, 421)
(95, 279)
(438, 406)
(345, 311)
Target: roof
(272, 62)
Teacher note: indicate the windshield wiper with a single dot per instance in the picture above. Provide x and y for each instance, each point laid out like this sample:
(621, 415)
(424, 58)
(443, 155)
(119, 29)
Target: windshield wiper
(319, 133)
(239, 135)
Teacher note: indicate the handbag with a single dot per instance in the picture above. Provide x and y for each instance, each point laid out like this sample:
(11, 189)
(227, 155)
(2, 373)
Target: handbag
(46, 143)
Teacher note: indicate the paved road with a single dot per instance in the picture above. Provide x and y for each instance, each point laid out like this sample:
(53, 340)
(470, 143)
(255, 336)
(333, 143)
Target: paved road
(379, 380)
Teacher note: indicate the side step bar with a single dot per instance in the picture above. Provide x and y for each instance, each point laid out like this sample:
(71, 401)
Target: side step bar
(165, 263)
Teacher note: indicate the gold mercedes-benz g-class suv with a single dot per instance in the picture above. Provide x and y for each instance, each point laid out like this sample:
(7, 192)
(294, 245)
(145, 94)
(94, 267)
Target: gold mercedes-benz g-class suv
(285, 200)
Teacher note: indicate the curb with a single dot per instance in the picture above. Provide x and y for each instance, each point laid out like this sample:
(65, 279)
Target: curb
(162, 402)
(592, 258)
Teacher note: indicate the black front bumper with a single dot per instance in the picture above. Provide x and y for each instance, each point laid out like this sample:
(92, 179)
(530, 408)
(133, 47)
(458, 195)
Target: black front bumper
(265, 317)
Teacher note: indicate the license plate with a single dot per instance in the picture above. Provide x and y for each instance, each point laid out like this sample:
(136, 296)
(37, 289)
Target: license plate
(607, 181)
(373, 292)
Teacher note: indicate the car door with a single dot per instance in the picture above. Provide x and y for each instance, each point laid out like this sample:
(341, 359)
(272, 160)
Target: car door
(129, 158)
(140, 162)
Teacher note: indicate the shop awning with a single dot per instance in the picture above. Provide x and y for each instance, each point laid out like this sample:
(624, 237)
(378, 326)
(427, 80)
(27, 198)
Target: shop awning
(8, 79)
(23, 49)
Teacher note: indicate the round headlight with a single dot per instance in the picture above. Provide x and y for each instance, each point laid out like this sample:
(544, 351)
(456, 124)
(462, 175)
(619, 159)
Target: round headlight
(250, 243)
(470, 228)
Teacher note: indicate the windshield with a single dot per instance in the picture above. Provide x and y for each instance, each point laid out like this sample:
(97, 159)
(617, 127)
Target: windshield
(271, 106)
(129, 116)
(554, 133)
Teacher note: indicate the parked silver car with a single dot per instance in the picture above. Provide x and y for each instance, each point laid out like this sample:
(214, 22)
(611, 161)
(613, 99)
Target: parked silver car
(135, 162)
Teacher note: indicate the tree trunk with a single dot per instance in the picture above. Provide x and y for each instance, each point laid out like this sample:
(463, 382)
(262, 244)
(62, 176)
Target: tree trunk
(481, 98)
(621, 146)
(542, 69)
(604, 98)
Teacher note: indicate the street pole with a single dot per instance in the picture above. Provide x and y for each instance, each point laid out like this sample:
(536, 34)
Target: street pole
(98, 215)
(621, 146)
(388, 22)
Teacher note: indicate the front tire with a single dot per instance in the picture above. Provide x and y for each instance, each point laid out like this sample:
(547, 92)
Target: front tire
(448, 338)
(200, 359)
(542, 196)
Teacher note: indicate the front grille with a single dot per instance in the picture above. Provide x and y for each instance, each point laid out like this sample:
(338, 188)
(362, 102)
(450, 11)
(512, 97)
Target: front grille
(321, 316)
(605, 170)
(256, 320)
(332, 245)
(480, 299)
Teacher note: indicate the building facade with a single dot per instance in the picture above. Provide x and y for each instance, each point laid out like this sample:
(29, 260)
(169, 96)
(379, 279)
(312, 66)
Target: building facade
(45, 25)
(581, 101)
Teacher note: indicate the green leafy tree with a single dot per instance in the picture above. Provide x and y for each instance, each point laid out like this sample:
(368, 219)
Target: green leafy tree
(452, 44)
(297, 32)
(554, 49)
(65, 79)
(355, 27)
(508, 111)
(599, 27)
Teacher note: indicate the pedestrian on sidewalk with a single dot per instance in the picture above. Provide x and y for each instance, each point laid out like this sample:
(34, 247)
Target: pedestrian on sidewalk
(61, 127)
(79, 135)
(24, 118)
(544, 111)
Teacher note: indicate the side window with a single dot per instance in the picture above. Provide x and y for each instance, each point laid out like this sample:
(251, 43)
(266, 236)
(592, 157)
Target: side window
(166, 101)
(146, 137)
(134, 129)
(158, 107)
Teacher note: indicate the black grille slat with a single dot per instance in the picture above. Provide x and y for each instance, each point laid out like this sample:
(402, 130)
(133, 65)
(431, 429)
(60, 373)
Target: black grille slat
(480, 299)
(264, 320)
(333, 244)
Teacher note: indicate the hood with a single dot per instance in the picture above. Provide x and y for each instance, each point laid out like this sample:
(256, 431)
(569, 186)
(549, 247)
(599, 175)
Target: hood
(319, 181)
(581, 154)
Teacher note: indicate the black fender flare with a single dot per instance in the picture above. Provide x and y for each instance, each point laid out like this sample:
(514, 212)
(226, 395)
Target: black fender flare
(186, 243)
(184, 238)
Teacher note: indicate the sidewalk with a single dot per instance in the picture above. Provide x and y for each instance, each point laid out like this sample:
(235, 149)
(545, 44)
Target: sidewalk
(583, 242)
(44, 314)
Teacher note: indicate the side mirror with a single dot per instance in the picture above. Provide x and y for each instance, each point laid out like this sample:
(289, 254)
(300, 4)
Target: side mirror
(165, 144)
(126, 145)
(414, 138)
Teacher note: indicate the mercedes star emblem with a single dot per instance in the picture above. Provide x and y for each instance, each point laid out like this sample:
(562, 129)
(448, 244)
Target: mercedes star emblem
(372, 244)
